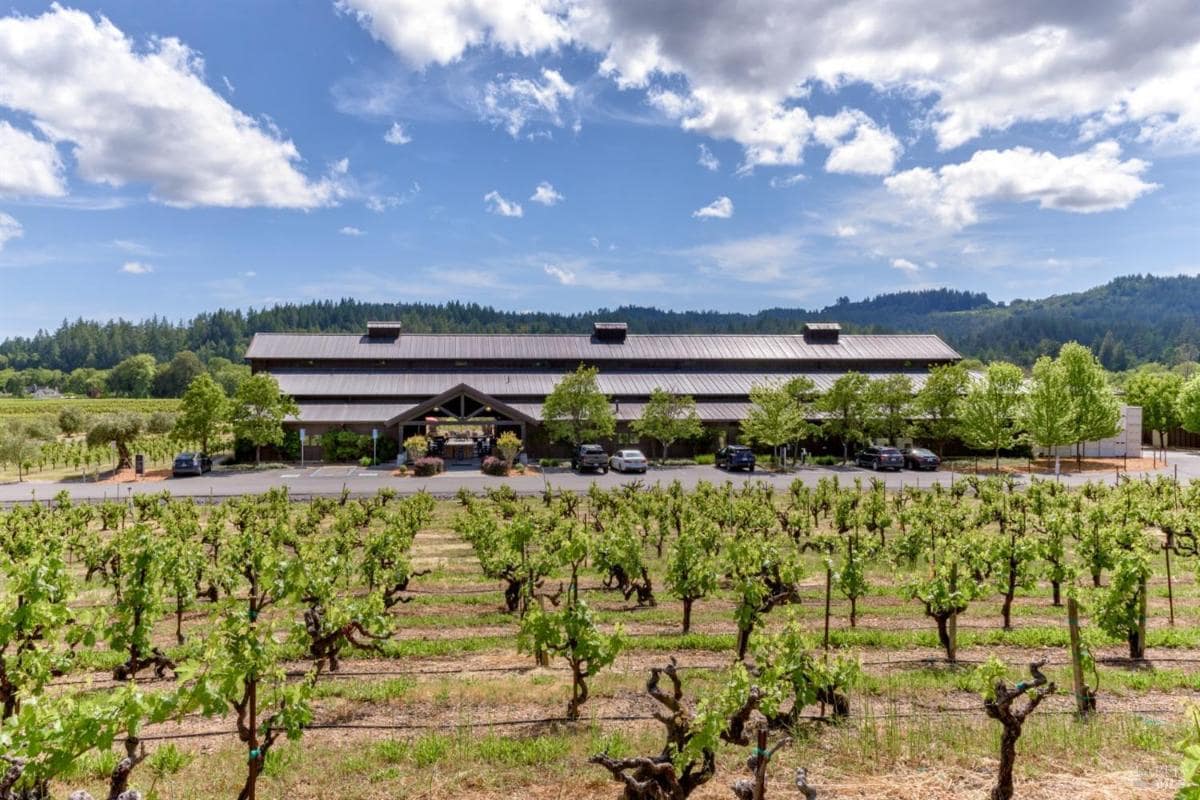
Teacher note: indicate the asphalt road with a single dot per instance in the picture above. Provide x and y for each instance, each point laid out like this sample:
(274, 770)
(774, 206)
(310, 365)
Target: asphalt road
(331, 480)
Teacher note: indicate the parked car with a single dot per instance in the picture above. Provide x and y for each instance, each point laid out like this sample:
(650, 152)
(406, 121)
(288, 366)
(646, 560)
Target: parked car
(589, 457)
(920, 458)
(191, 464)
(736, 456)
(628, 461)
(880, 458)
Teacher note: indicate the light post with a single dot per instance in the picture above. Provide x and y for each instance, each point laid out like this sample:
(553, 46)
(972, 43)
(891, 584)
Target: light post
(303, 437)
(374, 446)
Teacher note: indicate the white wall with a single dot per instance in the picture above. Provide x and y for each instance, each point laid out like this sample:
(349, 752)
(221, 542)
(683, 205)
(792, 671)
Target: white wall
(1126, 443)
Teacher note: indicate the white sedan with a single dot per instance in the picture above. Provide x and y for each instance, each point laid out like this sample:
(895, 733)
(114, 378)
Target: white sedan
(628, 461)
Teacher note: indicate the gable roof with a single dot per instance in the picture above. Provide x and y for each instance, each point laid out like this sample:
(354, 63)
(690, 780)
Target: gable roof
(564, 347)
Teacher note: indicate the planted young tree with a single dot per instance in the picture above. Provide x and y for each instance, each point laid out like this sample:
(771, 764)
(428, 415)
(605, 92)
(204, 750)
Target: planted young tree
(137, 583)
(763, 570)
(35, 622)
(847, 409)
(569, 631)
(617, 552)
(19, 447)
(998, 703)
(1157, 393)
(692, 563)
(668, 418)
(938, 401)
(242, 664)
(775, 418)
(688, 758)
(1095, 413)
(576, 411)
(1121, 607)
(952, 559)
(258, 411)
(1046, 417)
(989, 410)
(890, 406)
(1188, 405)
(203, 413)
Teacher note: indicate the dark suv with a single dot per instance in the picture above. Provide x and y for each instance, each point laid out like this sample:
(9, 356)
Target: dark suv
(735, 456)
(880, 458)
(191, 464)
(590, 457)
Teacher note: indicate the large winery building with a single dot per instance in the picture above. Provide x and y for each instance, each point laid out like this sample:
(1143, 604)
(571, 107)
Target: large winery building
(401, 384)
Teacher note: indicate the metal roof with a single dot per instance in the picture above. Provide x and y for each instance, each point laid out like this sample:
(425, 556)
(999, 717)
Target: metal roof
(346, 413)
(535, 347)
(309, 383)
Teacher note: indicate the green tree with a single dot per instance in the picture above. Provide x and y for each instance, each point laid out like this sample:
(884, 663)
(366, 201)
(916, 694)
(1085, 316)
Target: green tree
(203, 412)
(258, 411)
(577, 411)
(71, 420)
(1095, 413)
(87, 381)
(774, 418)
(1045, 417)
(133, 377)
(1157, 393)
(174, 378)
(19, 446)
(1188, 405)
(228, 374)
(847, 409)
(989, 411)
(891, 403)
(669, 418)
(938, 401)
(118, 430)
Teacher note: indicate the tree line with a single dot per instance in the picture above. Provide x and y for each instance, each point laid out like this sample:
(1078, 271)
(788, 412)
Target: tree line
(1128, 321)
(1067, 400)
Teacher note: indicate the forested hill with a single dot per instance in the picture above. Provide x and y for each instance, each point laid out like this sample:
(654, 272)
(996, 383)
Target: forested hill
(1127, 321)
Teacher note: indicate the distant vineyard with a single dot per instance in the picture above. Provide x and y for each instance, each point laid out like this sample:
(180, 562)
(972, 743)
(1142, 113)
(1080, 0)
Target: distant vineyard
(108, 405)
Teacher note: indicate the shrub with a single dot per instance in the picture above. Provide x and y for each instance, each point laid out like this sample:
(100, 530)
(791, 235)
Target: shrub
(495, 466)
(365, 461)
(549, 462)
(402, 470)
(344, 446)
(706, 458)
(827, 461)
(508, 445)
(519, 469)
(428, 466)
(416, 447)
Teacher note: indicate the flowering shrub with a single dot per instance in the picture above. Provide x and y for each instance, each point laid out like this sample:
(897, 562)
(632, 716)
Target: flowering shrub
(427, 466)
(495, 466)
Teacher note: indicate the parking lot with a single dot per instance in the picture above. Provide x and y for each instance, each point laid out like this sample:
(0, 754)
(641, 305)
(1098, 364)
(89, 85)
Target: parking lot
(330, 480)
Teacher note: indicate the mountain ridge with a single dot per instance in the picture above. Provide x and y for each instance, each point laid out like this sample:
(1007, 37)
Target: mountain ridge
(1129, 320)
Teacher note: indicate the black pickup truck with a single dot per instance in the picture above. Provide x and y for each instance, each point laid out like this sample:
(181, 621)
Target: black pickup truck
(590, 457)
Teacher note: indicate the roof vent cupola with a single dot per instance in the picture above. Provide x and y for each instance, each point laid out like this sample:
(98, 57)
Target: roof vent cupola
(822, 332)
(384, 331)
(613, 332)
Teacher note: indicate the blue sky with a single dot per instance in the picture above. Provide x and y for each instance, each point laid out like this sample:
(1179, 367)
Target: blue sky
(168, 158)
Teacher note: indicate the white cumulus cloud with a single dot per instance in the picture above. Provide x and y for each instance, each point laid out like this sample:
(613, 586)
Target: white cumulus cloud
(438, 32)
(29, 167)
(721, 208)
(904, 265)
(136, 268)
(845, 231)
(566, 277)
(350, 230)
(1091, 181)
(514, 102)
(397, 134)
(497, 204)
(144, 114)
(546, 194)
(856, 144)
(707, 160)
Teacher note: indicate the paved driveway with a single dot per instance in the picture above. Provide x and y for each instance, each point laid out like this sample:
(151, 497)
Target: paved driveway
(330, 481)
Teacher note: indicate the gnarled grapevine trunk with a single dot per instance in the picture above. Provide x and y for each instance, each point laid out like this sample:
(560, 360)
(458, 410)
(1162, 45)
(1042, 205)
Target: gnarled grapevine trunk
(1000, 708)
